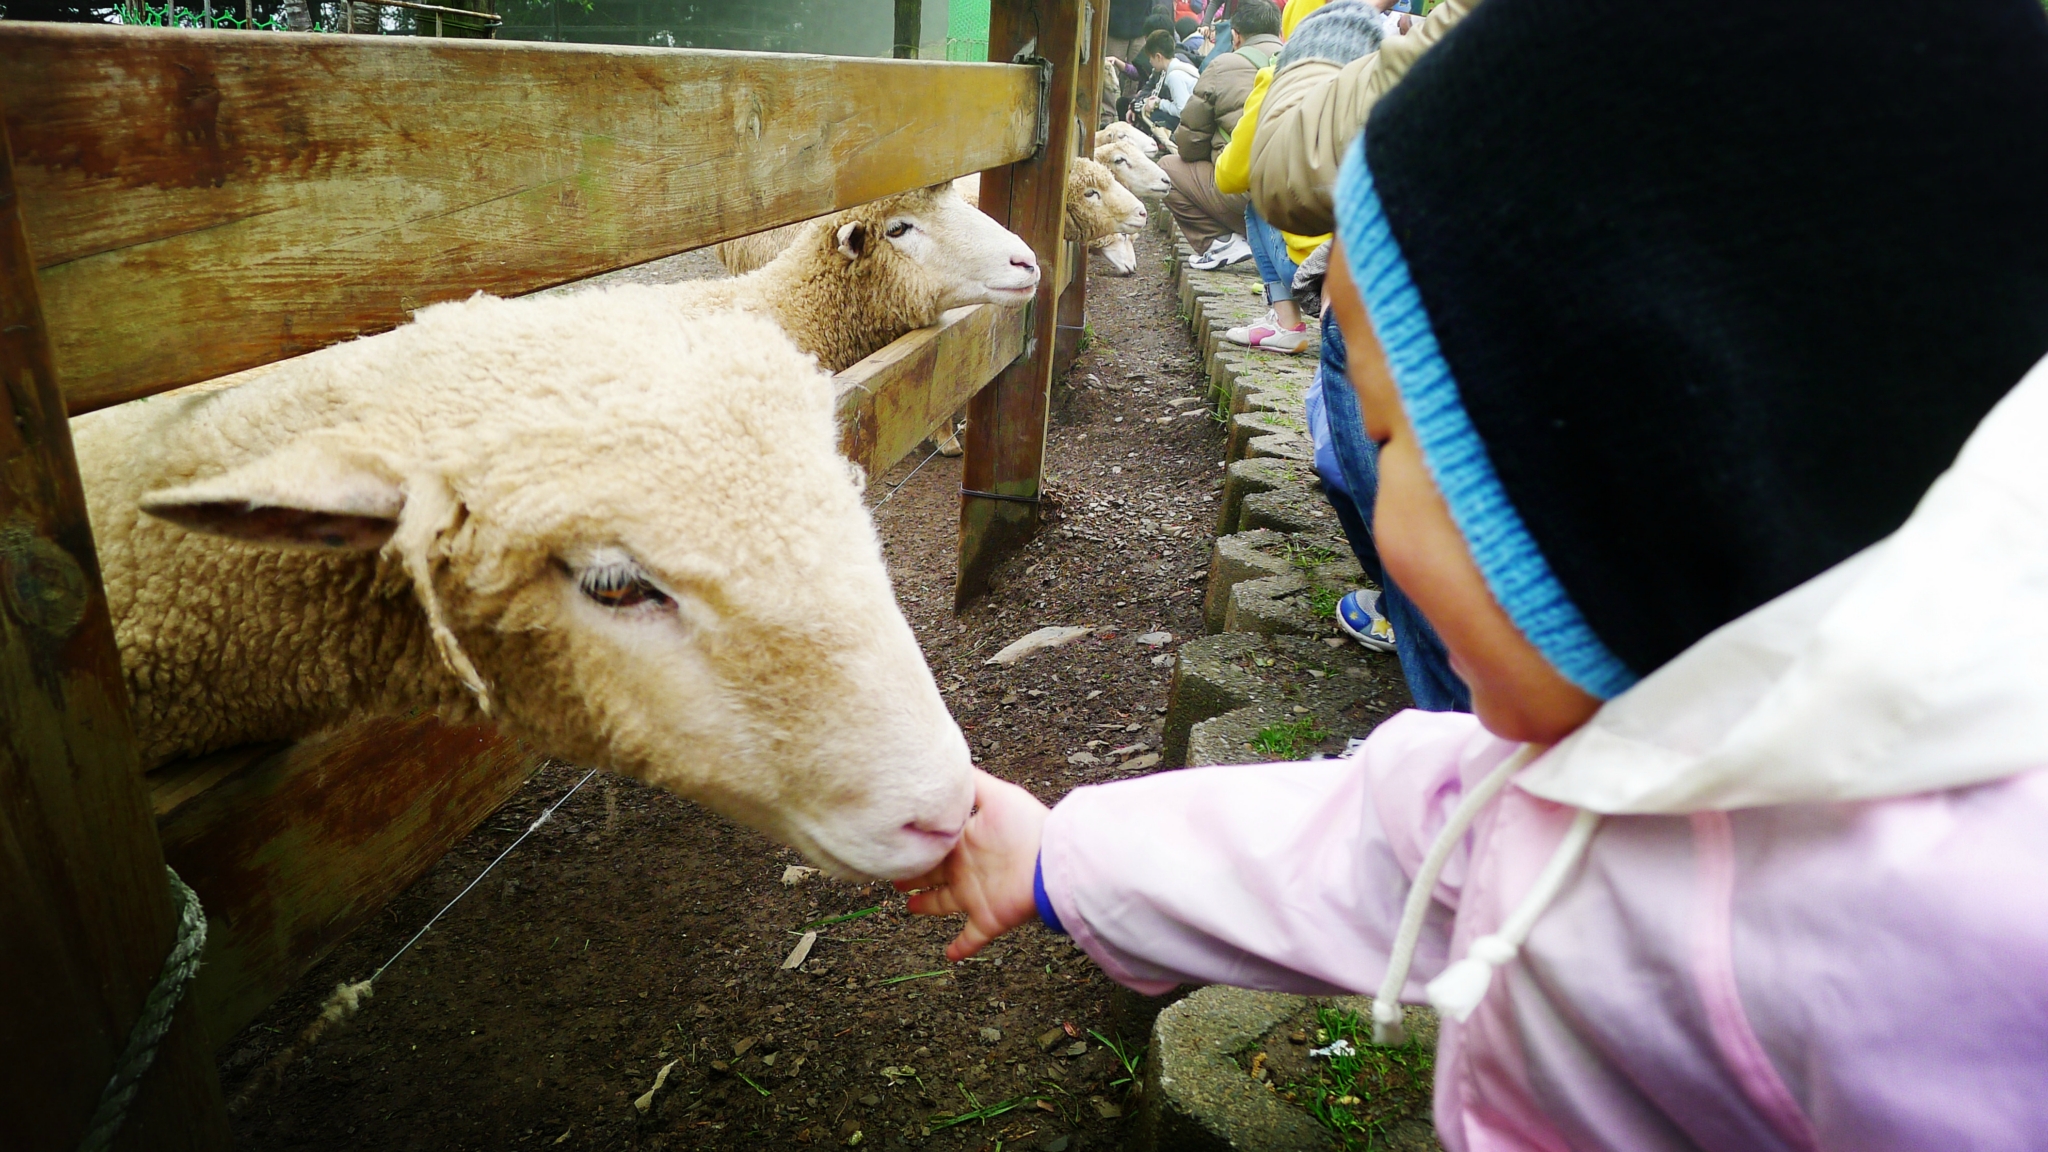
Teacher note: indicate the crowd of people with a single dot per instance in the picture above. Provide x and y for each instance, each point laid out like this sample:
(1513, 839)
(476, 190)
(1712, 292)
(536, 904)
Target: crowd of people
(1681, 384)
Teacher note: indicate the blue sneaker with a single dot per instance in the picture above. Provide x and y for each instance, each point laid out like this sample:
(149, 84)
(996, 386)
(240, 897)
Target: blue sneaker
(1358, 614)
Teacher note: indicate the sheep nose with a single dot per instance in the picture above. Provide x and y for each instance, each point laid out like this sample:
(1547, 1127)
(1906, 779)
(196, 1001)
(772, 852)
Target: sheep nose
(1028, 261)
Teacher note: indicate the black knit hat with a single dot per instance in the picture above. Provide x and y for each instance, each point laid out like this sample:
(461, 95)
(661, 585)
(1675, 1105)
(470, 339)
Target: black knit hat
(1687, 308)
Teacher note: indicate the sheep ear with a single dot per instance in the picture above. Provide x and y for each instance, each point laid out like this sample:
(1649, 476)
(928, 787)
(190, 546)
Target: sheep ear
(853, 240)
(306, 495)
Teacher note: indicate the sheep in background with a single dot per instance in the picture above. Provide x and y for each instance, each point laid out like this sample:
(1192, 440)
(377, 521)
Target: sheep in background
(611, 521)
(1098, 209)
(1105, 214)
(843, 286)
(1132, 168)
(1118, 130)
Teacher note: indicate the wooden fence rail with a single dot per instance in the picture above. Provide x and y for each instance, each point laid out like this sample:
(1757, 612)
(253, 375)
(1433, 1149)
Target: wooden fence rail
(192, 204)
(203, 202)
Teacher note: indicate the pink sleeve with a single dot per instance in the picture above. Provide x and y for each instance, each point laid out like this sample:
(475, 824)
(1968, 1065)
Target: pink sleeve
(1287, 877)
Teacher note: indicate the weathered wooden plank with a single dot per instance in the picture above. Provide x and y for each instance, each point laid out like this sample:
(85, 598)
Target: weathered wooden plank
(85, 910)
(1005, 441)
(1087, 102)
(900, 395)
(207, 201)
(293, 848)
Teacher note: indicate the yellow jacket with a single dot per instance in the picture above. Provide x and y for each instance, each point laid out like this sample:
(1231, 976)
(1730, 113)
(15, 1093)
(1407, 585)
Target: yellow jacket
(1297, 11)
(1234, 163)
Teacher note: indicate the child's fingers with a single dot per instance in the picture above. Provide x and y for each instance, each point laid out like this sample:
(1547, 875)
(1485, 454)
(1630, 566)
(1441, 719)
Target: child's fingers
(970, 941)
(932, 879)
(935, 902)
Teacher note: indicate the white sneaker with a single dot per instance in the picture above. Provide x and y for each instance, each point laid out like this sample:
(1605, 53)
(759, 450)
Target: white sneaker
(1228, 250)
(1267, 335)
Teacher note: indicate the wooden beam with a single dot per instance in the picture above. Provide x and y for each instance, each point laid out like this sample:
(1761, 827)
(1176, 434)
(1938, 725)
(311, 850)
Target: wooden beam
(909, 28)
(1005, 441)
(203, 202)
(86, 919)
(292, 848)
(900, 395)
(1087, 102)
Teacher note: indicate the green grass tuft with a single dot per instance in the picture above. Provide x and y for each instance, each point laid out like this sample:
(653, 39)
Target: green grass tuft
(1292, 740)
(1360, 1097)
(1323, 602)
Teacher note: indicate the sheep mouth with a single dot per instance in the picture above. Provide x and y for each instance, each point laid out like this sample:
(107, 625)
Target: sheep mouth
(1013, 293)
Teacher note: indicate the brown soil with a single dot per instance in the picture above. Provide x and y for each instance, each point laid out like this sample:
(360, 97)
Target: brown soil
(635, 928)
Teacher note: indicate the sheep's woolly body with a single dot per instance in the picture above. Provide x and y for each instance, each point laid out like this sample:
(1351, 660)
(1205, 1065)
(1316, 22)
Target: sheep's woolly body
(544, 424)
(748, 253)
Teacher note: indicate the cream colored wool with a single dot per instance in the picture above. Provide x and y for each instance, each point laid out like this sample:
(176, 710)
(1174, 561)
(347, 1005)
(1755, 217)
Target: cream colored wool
(847, 284)
(748, 253)
(422, 515)
(1132, 168)
(1118, 130)
(1099, 207)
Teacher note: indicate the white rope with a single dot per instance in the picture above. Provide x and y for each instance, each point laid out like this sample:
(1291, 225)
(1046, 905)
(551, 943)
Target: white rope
(1460, 988)
(1386, 1005)
(153, 1024)
(347, 998)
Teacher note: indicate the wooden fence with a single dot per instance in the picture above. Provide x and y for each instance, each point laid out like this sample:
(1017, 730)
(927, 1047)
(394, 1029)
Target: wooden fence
(177, 205)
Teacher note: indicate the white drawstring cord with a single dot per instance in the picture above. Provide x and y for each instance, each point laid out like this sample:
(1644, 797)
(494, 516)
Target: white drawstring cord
(1460, 988)
(1386, 1006)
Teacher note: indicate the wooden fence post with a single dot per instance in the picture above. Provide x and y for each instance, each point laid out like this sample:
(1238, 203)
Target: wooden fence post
(909, 28)
(85, 912)
(1087, 110)
(1005, 440)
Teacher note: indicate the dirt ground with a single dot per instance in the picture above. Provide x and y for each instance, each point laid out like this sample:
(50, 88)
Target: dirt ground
(635, 929)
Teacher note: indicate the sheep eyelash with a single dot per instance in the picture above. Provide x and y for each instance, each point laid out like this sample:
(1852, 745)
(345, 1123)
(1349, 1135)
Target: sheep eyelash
(621, 585)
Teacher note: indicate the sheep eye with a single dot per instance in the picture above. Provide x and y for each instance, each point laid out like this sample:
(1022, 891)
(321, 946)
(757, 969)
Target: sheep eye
(618, 586)
(1094, 195)
(1123, 160)
(899, 228)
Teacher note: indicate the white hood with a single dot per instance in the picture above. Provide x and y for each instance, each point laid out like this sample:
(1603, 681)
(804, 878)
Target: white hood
(1919, 664)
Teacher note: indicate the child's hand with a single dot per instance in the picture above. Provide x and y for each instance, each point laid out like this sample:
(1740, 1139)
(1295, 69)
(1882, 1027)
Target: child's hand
(989, 872)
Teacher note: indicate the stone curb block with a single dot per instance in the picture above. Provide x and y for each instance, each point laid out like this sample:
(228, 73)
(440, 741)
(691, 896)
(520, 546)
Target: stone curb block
(1252, 475)
(1196, 1098)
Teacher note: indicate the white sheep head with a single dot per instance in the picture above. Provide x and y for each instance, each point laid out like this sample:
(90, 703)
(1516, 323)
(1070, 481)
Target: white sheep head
(636, 543)
(1099, 206)
(1118, 130)
(1119, 252)
(1132, 168)
(932, 236)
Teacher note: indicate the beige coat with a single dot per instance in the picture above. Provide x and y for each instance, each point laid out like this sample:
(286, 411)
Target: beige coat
(1213, 108)
(1312, 113)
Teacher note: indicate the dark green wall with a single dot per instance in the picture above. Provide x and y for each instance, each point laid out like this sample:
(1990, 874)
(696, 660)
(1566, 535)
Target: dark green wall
(834, 27)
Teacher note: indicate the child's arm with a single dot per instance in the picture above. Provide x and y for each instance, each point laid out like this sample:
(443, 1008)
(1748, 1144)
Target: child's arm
(1282, 876)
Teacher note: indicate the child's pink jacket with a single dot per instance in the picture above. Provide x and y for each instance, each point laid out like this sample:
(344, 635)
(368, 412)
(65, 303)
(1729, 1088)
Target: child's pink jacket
(1813, 915)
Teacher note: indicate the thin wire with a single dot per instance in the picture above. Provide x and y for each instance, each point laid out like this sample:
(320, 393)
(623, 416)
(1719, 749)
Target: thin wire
(530, 830)
(900, 483)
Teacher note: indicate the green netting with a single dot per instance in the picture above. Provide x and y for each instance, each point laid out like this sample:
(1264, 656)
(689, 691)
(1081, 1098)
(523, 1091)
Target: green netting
(967, 29)
(193, 15)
